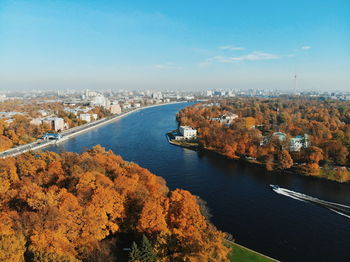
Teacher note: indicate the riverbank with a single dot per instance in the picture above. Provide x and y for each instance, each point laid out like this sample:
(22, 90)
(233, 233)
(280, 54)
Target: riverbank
(296, 169)
(327, 174)
(238, 194)
(190, 144)
(243, 254)
(72, 132)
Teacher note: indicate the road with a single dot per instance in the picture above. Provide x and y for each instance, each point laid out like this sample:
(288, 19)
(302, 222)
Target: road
(66, 134)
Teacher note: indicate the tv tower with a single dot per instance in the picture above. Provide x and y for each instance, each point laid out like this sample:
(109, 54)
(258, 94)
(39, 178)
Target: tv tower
(295, 81)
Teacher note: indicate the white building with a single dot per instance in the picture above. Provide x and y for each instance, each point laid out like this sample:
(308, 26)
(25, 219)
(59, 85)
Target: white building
(42, 112)
(71, 110)
(126, 106)
(85, 117)
(209, 93)
(298, 142)
(225, 119)
(100, 100)
(94, 116)
(36, 121)
(157, 95)
(231, 94)
(188, 132)
(189, 97)
(3, 98)
(89, 93)
(56, 123)
(115, 109)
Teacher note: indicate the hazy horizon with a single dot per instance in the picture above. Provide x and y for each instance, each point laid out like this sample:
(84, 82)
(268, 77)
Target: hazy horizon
(182, 45)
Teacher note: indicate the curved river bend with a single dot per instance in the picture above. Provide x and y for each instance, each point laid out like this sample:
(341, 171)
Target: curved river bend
(238, 195)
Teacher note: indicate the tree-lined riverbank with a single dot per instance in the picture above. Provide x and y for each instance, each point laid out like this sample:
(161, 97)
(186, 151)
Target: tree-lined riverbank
(237, 193)
(70, 133)
(280, 134)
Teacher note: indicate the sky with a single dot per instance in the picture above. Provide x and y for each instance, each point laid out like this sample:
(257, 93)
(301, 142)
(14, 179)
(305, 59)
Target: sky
(182, 44)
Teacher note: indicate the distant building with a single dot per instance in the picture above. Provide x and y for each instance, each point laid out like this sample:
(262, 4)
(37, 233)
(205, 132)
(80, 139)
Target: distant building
(209, 93)
(299, 142)
(100, 100)
(94, 116)
(115, 109)
(231, 94)
(90, 93)
(9, 121)
(71, 110)
(85, 117)
(295, 143)
(126, 106)
(42, 112)
(10, 114)
(36, 121)
(56, 123)
(281, 136)
(188, 132)
(226, 119)
(3, 98)
(189, 97)
(157, 95)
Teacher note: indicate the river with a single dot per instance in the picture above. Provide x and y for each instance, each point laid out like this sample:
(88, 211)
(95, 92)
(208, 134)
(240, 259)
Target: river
(237, 194)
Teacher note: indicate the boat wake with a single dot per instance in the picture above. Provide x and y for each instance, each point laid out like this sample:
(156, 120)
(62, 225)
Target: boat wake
(335, 207)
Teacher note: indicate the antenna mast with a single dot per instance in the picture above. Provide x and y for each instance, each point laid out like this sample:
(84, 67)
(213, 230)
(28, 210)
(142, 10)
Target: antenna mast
(295, 81)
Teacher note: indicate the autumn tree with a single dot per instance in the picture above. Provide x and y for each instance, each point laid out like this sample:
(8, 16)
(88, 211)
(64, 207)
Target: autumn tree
(12, 247)
(71, 207)
(284, 160)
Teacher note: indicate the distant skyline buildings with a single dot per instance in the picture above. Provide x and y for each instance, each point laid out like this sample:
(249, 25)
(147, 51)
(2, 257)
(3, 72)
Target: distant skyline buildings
(180, 45)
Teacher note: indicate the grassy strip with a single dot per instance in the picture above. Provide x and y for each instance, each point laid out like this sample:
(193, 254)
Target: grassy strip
(242, 254)
(185, 144)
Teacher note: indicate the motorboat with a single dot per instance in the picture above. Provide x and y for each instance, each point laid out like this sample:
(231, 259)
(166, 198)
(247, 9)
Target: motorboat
(274, 187)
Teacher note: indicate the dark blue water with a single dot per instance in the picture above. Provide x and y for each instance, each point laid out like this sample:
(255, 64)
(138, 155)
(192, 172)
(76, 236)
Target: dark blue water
(238, 194)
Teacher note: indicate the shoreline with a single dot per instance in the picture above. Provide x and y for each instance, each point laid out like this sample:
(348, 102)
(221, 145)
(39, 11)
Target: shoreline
(180, 143)
(75, 131)
(255, 163)
(235, 245)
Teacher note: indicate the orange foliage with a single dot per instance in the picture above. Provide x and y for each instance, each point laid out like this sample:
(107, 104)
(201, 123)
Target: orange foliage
(72, 207)
(250, 135)
(20, 131)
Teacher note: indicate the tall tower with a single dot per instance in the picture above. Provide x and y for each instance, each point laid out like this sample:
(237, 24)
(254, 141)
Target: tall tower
(295, 82)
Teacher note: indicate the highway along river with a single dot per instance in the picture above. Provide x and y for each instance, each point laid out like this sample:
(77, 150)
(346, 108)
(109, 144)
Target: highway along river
(238, 194)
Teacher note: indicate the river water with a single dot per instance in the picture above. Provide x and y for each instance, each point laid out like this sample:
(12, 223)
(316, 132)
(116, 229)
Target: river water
(237, 194)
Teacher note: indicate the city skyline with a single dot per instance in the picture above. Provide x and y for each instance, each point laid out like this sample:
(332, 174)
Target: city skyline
(183, 46)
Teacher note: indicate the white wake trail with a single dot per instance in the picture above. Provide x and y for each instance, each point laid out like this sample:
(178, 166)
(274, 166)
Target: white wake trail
(340, 209)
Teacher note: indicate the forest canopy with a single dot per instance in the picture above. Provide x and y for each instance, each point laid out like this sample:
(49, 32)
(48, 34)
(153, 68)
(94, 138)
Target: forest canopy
(91, 206)
(312, 136)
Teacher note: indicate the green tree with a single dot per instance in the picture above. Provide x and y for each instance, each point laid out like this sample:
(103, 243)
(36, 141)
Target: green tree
(135, 252)
(144, 253)
(148, 254)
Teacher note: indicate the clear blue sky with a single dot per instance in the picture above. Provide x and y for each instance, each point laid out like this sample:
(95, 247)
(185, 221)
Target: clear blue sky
(182, 44)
